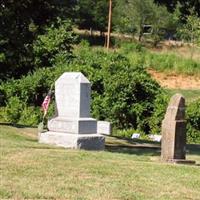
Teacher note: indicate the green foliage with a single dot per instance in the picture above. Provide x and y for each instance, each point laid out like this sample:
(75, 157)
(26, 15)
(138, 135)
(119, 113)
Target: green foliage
(30, 116)
(126, 133)
(14, 109)
(132, 16)
(130, 47)
(193, 118)
(165, 62)
(171, 62)
(92, 14)
(121, 93)
(21, 21)
(54, 45)
(160, 106)
(31, 88)
(161, 22)
(190, 31)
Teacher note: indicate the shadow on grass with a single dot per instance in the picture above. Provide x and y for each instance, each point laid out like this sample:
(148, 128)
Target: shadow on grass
(133, 150)
(142, 147)
(130, 146)
(113, 144)
(17, 125)
(193, 149)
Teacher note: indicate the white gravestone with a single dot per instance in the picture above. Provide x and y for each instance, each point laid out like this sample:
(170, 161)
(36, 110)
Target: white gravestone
(135, 136)
(104, 127)
(73, 127)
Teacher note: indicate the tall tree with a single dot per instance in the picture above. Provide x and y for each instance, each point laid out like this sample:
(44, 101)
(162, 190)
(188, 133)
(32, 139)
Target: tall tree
(134, 15)
(190, 31)
(21, 21)
(185, 4)
(93, 14)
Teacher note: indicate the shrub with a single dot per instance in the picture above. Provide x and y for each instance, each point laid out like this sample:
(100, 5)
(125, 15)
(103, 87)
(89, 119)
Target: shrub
(54, 45)
(160, 107)
(128, 47)
(30, 116)
(14, 108)
(193, 118)
(121, 93)
(126, 133)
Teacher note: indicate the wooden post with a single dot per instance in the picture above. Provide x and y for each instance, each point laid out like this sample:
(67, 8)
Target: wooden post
(109, 24)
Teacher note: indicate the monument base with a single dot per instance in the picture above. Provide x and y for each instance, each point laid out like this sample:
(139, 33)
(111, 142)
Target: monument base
(182, 161)
(74, 141)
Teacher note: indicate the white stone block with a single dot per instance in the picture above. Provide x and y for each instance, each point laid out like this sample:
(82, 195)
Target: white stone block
(104, 127)
(73, 127)
(135, 136)
(72, 93)
(75, 141)
(156, 138)
(77, 126)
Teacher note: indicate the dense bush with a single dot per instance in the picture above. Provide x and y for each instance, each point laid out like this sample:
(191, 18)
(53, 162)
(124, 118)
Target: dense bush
(54, 45)
(193, 118)
(160, 106)
(121, 93)
(21, 22)
(14, 108)
(17, 111)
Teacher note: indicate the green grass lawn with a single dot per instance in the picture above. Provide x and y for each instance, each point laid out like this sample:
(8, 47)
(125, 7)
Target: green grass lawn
(190, 95)
(127, 169)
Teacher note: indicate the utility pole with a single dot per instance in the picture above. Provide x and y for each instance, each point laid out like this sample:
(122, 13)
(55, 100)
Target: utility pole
(109, 24)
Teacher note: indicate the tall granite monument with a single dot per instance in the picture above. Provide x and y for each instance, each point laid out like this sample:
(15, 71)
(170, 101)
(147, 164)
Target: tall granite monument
(173, 148)
(73, 127)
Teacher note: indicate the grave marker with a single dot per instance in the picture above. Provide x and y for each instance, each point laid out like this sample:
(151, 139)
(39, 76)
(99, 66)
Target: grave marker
(173, 148)
(73, 127)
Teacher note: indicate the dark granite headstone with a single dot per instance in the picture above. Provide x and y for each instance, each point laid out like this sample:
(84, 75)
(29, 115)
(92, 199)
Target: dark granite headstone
(173, 148)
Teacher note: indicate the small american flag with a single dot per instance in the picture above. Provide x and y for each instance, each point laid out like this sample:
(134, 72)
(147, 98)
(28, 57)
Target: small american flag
(46, 103)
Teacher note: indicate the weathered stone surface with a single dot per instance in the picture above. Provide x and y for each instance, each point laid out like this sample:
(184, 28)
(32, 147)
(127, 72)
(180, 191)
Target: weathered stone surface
(74, 141)
(72, 93)
(73, 127)
(76, 126)
(104, 127)
(174, 131)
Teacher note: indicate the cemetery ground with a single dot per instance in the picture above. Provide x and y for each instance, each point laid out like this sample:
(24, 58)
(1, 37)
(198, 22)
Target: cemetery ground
(127, 169)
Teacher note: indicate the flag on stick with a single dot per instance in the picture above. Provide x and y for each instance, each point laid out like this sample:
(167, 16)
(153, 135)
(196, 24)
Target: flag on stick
(45, 106)
(46, 102)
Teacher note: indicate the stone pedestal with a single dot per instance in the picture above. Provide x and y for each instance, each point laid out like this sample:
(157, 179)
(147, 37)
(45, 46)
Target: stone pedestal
(104, 127)
(173, 147)
(73, 127)
(73, 141)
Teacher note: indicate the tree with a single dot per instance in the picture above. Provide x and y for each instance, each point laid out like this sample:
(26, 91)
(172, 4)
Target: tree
(21, 21)
(92, 14)
(190, 31)
(131, 16)
(186, 5)
(162, 23)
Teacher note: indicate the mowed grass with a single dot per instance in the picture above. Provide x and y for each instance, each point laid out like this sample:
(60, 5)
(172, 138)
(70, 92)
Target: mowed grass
(125, 170)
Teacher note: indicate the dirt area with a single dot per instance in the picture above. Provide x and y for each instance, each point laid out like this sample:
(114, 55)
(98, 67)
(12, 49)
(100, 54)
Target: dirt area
(175, 81)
